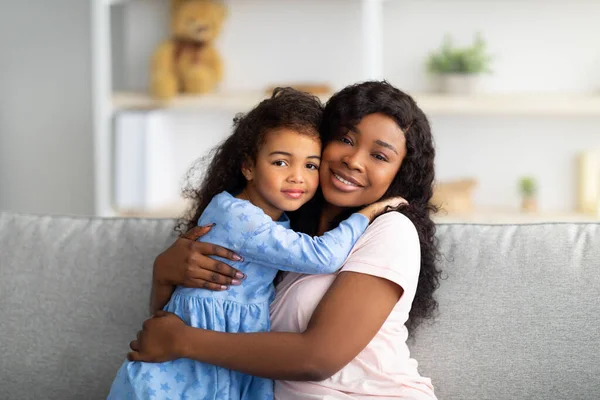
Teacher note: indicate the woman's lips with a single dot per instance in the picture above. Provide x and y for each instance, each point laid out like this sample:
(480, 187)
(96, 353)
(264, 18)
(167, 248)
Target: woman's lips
(344, 183)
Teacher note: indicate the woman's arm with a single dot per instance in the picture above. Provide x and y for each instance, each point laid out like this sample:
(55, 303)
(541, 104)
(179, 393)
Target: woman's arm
(332, 339)
(186, 263)
(347, 318)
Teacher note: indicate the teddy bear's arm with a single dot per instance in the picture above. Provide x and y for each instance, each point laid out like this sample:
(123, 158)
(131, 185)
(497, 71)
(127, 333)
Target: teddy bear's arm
(164, 83)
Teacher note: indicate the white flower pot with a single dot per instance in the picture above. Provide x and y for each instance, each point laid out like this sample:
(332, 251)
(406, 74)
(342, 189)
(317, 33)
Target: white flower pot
(460, 83)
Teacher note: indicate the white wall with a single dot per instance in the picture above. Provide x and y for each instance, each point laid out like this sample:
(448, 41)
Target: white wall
(46, 153)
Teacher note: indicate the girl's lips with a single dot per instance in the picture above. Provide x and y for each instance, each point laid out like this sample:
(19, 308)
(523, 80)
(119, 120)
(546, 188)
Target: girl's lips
(293, 194)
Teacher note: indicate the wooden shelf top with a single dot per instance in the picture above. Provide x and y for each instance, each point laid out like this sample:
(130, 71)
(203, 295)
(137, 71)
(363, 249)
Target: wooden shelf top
(433, 104)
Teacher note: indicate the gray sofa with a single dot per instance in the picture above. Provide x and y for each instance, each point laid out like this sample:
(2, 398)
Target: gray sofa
(518, 316)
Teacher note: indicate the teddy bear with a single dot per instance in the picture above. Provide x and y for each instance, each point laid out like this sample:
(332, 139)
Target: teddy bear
(189, 62)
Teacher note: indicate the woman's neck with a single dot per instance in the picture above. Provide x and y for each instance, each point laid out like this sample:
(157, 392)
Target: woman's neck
(328, 213)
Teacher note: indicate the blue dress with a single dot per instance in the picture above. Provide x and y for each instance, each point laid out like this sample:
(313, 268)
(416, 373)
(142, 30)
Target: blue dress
(267, 246)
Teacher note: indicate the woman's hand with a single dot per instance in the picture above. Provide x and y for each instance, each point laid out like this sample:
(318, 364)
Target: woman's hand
(159, 340)
(373, 210)
(186, 263)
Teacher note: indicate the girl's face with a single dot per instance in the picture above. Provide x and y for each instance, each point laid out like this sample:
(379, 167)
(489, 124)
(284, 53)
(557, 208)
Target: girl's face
(286, 172)
(358, 167)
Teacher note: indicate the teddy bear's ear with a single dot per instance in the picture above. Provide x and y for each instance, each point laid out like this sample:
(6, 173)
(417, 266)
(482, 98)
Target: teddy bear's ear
(175, 5)
(222, 9)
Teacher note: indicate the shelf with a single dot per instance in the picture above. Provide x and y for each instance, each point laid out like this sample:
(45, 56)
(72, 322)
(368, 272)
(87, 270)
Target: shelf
(433, 104)
(512, 104)
(236, 102)
(113, 2)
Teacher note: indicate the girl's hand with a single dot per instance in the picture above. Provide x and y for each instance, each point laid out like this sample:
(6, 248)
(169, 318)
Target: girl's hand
(159, 340)
(186, 263)
(373, 210)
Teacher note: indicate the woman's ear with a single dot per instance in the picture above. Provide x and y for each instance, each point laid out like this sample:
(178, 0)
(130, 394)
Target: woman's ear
(248, 170)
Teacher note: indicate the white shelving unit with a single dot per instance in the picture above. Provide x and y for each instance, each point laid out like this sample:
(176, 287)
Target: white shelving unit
(106, 103)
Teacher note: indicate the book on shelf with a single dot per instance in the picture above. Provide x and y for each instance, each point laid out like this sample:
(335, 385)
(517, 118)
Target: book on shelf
(143, 162)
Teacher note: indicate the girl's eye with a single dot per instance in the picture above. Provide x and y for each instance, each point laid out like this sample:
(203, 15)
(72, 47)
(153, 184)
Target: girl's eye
(312, 166)
(344, 139)
(380, 157)
(279, 163)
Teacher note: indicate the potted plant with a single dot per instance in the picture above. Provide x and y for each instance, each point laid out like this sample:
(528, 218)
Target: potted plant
(459, 69)
(528, 189)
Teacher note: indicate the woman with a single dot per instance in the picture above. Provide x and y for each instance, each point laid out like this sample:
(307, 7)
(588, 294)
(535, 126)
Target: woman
(339, 336)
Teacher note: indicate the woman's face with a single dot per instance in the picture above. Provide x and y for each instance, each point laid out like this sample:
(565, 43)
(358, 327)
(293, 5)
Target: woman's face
(358, 167)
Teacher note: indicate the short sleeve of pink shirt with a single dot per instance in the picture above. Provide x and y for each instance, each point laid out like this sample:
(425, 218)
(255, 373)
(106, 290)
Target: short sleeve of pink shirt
(389, 249)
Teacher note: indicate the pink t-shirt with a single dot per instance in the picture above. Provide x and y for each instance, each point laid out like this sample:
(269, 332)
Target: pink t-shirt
(383, 370)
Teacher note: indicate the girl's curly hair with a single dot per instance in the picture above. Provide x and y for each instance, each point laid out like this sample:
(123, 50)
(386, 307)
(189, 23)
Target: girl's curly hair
(286, 108)
(414, 180)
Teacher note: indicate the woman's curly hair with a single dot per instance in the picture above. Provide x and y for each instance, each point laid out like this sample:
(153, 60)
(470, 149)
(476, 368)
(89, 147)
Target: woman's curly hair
(286, 108)
(414, 180)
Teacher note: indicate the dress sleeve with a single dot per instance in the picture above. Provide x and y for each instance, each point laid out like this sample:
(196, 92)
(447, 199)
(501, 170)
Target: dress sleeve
(262, 240)
(389, 249)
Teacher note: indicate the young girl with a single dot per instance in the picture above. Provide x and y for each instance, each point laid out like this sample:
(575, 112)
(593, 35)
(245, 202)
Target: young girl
(269, 165)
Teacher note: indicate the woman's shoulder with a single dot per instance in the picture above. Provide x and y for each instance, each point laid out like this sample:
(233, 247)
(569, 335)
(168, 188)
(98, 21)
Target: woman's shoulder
(391, 225)
(389, 249)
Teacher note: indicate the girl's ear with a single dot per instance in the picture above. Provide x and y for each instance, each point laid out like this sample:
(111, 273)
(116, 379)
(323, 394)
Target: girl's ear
(248, 170)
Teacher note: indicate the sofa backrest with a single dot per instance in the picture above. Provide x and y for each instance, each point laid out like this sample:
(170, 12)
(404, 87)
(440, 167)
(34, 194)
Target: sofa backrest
(518, 314)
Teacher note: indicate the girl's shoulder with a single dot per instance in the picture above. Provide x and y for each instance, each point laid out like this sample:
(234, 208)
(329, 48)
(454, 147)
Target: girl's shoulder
(225, 207)
(225, 201)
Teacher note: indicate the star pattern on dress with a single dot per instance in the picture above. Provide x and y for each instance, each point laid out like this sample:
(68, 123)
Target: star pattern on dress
(179, 378)
(278, 246)
(165, 387)
(262, 248)
(162, 367)
(151, 392)
(243, 217)
(147, 376)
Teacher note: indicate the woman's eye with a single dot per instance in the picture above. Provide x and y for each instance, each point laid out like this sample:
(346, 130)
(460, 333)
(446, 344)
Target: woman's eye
(344, 139)
(380, 157)
(279, 163)
(312, 166)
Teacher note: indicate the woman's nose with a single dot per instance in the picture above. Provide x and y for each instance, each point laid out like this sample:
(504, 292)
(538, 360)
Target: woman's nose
(353, 162)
